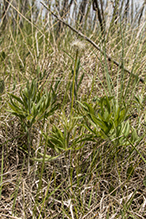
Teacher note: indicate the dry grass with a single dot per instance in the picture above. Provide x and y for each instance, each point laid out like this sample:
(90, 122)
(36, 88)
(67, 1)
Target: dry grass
(100, 179)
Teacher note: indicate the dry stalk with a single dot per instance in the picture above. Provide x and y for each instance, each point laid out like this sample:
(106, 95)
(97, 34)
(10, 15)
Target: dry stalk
(93, 43)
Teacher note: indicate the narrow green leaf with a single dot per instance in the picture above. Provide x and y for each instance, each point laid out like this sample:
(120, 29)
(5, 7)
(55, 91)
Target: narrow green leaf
(16, 98)
(2, 86)
(130, 171)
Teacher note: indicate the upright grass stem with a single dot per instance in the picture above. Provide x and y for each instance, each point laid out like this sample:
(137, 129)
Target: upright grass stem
(1, 178)
(29, 147)
(73, 85)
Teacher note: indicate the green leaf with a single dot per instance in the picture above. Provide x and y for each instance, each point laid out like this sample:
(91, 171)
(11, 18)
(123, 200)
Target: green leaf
(130, 171)
(16, 109)
(2, 55)
(134, 136)
(24, 99)
(2, 86)
(84, 107)
(122, 115)
(47, 158)
(17, 98)
(80, 81)
(126, 129)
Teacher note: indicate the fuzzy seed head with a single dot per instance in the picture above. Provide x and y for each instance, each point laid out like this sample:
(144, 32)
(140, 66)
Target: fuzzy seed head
(78, 44)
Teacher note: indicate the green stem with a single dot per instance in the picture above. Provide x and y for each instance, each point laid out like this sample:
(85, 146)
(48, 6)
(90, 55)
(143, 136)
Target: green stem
(2, 165)
(29, 147)
(73, 84)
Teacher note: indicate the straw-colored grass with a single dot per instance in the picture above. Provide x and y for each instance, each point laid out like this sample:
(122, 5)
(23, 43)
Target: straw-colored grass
(84, 155)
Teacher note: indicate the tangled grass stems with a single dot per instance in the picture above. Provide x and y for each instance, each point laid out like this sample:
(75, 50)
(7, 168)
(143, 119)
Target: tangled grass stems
(85, 117)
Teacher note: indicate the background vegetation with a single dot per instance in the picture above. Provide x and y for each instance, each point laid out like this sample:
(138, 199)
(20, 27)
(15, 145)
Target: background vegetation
(72, 109)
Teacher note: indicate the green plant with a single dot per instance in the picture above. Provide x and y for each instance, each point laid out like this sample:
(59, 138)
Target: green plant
(67, 136)
(78, 45)
(32, 106)
(106, 120)
(77, 80)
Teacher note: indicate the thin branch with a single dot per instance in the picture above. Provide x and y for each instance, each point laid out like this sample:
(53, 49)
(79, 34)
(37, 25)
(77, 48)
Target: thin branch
(100, 15)
(91, 42)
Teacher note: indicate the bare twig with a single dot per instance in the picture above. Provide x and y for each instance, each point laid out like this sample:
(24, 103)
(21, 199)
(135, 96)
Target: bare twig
(91, 42)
